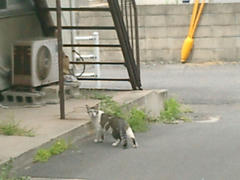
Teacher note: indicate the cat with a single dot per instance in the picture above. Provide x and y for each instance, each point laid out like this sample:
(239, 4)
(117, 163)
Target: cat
(121, 130)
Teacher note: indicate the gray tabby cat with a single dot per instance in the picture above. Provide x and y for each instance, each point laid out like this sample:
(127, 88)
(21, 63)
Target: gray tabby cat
(121, 131)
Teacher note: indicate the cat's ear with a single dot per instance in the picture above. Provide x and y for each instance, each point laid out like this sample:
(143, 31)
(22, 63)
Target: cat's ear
(96, 107)
(87, 107)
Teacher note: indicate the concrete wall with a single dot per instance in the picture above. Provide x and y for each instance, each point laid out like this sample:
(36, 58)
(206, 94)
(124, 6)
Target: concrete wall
(151, 2)
(163, 29)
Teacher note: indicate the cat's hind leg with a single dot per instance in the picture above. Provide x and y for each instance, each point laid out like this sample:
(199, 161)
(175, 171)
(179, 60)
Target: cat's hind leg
(116, 143)
(131, 135)
(116, 136)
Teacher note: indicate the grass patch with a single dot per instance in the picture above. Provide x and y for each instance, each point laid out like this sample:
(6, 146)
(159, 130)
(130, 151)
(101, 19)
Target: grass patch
(43, 155)
(173, 112)
(10, 127)
(111, 107)
(5, 173)
(138, 120)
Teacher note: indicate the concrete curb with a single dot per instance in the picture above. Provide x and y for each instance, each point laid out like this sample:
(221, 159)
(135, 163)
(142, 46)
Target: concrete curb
(74, 134)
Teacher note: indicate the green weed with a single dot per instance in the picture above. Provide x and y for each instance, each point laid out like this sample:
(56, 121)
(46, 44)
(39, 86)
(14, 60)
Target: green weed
(5, 173)
(43, 155)
(13, 128)
(174, 111)
(138, 120)
(111, 107)
(59, 147)
(171, 112)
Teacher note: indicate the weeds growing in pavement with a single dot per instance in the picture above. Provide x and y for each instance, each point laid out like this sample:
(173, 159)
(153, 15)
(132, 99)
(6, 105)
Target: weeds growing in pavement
(138, 120)
(10, 127)
(43, 155)
(5, 173)
(174, 111)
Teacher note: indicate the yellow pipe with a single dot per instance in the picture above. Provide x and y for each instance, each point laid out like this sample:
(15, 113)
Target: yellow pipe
(188, 42)
(198, 18)
(194, 13)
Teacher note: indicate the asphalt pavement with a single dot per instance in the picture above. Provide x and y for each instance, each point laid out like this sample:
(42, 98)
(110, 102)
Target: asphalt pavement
(205, 149)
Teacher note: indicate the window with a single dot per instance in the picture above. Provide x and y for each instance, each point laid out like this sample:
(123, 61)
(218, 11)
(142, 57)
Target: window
(3, 4)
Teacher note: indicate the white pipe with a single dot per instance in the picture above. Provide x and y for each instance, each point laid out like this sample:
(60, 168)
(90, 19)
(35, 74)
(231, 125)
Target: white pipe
(97, 53)
(80, 38)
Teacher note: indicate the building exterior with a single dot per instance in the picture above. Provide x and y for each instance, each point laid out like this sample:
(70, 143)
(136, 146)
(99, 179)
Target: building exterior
(18, 20)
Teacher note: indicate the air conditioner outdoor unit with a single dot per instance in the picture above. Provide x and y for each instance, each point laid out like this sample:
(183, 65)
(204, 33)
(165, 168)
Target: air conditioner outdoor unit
(35, 62)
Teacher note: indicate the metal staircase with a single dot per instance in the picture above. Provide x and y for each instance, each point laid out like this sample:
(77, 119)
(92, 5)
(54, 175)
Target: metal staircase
(124, 15)
(125, 20)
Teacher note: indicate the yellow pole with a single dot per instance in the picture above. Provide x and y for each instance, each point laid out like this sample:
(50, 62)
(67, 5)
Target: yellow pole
(188, 42)
(198, 18)
(194, 13)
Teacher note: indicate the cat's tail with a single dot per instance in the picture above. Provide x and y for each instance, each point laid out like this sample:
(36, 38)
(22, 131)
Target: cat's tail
(131, 135)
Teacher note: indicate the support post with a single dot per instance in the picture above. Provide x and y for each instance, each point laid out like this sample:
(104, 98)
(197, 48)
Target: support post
(60, 60)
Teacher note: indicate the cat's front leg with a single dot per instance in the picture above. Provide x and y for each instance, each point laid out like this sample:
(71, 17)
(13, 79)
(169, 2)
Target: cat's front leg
(116, 143)
(99, 136)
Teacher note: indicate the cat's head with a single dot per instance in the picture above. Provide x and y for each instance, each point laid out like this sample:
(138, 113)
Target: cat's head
(92, 111)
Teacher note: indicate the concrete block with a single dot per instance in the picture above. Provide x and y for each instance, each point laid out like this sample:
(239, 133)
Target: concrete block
(167, 55)
(205, 43)
(226, 54)
(52, 92)
(222, 8)
(151, 102)
(164, 32)
(173, 43)
(155, 21)
(17, 98)
(165, 9)
(201, 55)
(177, 20)
(237, 42)
(226, 42)
(96, 20)
(218, 19)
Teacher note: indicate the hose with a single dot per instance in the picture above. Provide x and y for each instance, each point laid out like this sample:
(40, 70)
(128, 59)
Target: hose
(82, 59)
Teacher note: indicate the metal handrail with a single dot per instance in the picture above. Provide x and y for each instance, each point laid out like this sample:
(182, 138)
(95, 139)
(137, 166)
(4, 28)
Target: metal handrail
(129, 14)
(131, 23)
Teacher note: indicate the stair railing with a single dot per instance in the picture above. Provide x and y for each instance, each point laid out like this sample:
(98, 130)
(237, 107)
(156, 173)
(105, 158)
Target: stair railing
(125, 17)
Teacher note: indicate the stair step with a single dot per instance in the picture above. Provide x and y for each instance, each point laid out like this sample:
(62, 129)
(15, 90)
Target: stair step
(103, 79)
(86, 27)
(100, 63)
(91, 45)
(78, 9)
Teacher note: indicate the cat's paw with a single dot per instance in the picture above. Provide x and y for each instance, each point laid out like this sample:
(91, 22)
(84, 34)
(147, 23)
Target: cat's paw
(135, 145)
(98, 140)
(116, 143)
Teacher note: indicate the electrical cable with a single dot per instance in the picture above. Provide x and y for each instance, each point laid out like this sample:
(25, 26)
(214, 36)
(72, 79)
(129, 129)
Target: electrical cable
(84, 65)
